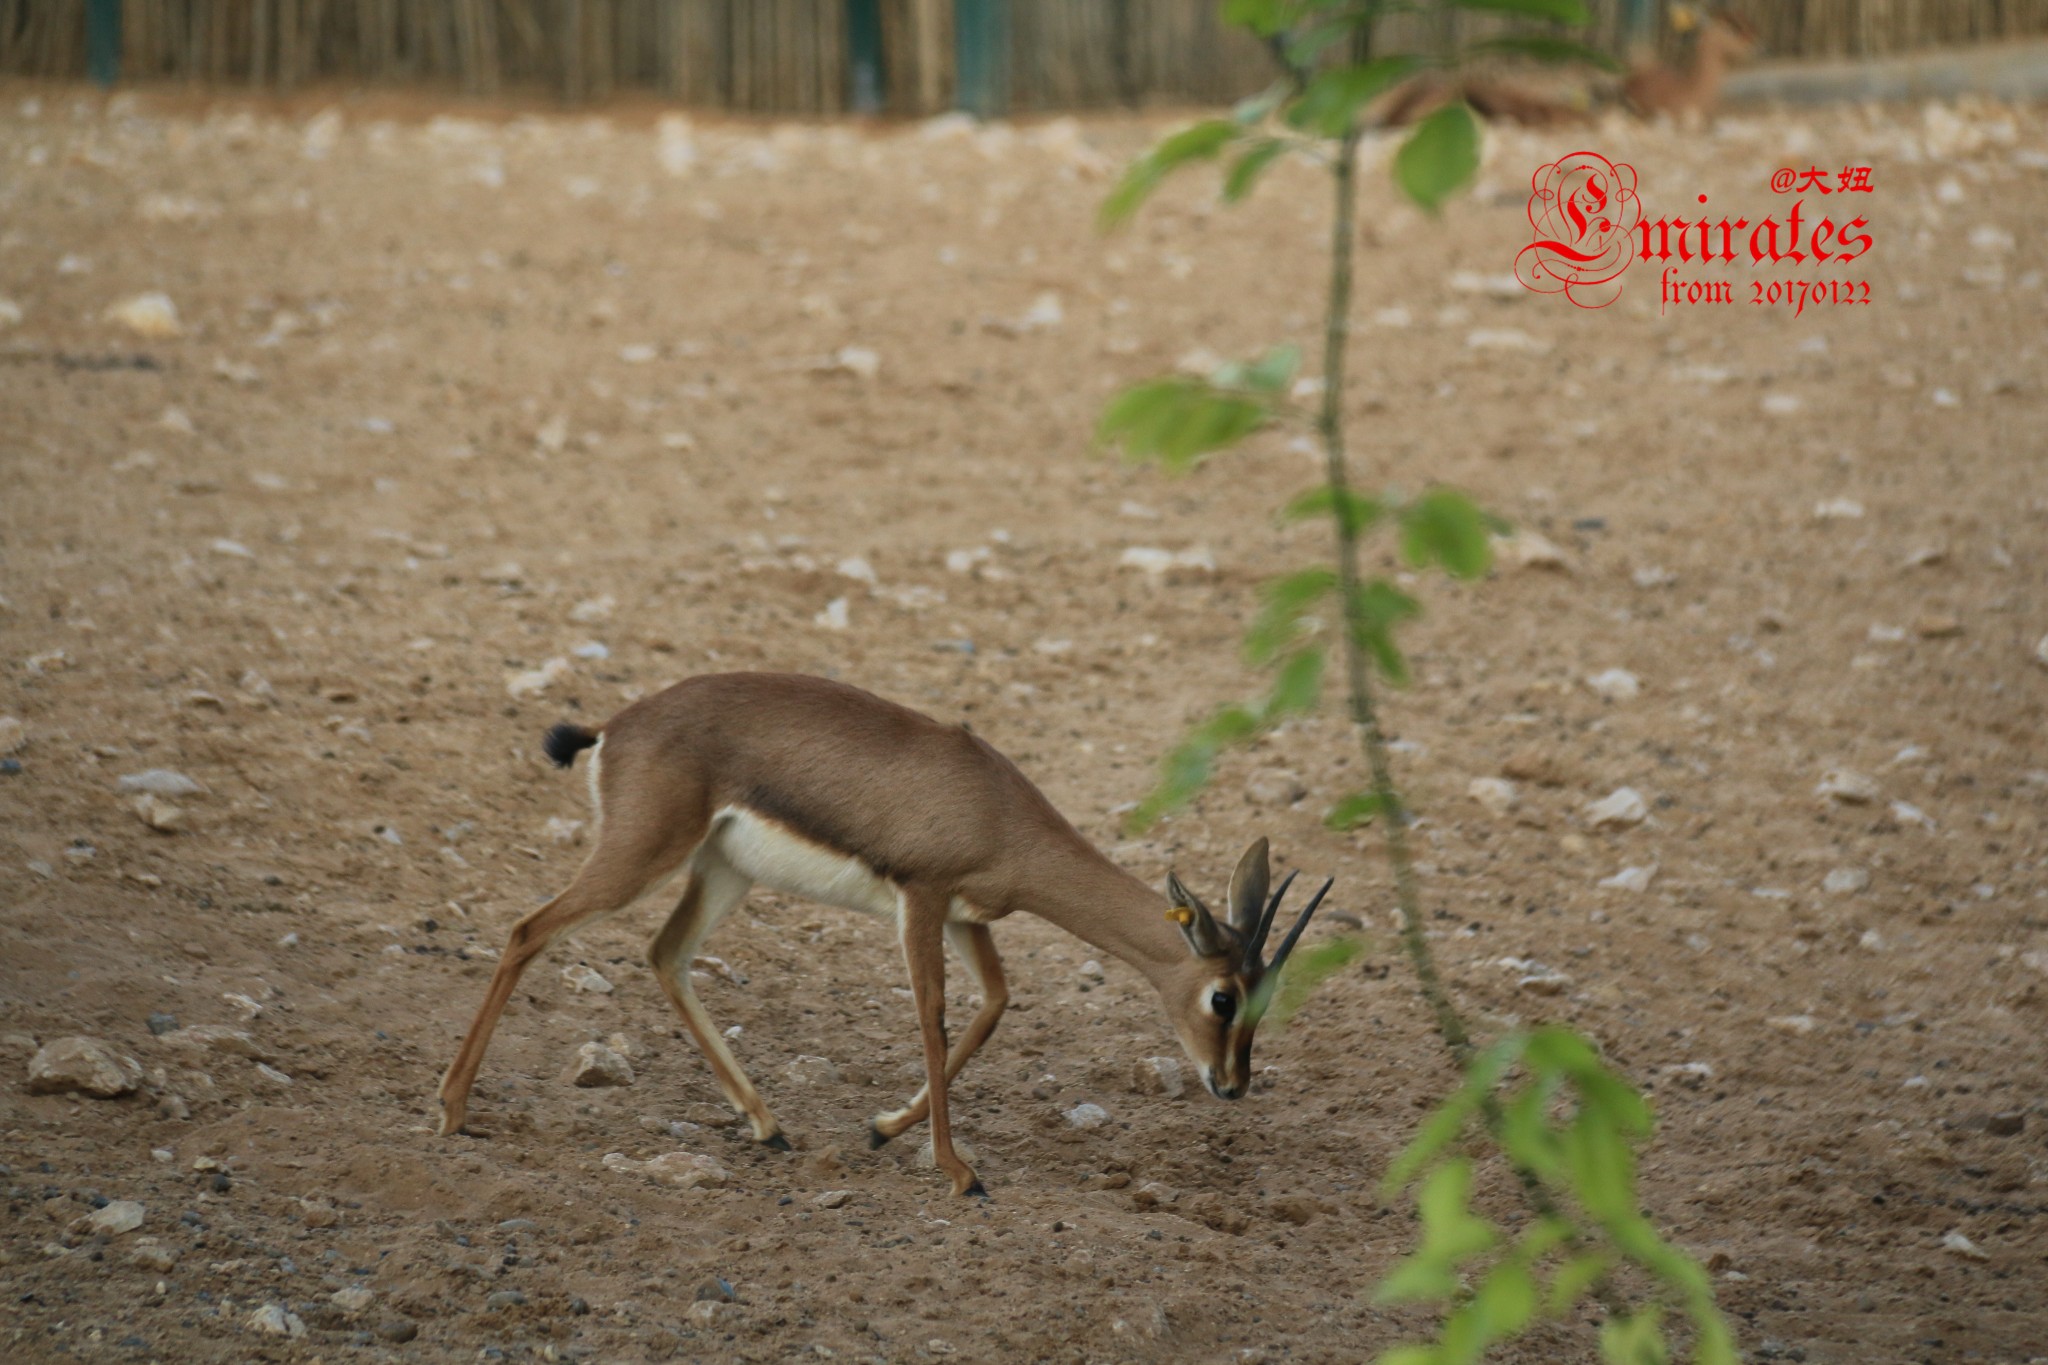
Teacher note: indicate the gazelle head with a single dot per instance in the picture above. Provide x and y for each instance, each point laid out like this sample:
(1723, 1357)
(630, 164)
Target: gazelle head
(1217, 1001)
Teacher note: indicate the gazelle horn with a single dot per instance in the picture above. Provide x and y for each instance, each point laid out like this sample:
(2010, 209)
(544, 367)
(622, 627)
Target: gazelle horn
(1257, 945)
(1287, 944)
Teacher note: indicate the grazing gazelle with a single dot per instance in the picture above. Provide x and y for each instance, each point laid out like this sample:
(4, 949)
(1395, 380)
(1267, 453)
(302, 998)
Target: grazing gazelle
(825, 791)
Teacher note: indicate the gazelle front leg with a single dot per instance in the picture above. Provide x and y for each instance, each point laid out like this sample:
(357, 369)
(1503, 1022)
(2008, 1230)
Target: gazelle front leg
(977, 948)
(922, 924)
(715, 887)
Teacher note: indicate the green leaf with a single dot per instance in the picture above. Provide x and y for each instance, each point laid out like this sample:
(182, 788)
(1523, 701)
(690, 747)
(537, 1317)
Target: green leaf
(1148, 172)
(1297, 687)
(1177, 421)
(1330, 104)
(1288, 600)
(1231, 725)
(1712, 1344)
(1354, 810)
(1248, 167)
(1574, 1278)
(1439, 157)
(1441, 1128)
(1263, 17)
(1378, 607)
(1358, 511)
(1409, 1355)
(1525, 1132)
(1443, 527)
(1273, 371)
(1186, 770)
(1634, 1339)
(1416, 1280)
(1568, 12)
(1542, 47)
(1503, 1305)
(1306, 969)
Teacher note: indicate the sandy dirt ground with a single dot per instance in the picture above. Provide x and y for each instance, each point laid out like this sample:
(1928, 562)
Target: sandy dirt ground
(460, 394)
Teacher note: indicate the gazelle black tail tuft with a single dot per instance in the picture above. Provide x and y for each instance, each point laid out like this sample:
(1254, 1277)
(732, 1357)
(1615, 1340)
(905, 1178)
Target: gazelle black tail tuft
(564, 742)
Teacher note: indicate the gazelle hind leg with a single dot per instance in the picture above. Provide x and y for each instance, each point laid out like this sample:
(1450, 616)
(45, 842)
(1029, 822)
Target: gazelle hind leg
(976, 947)
(617, 871)
(714, 888)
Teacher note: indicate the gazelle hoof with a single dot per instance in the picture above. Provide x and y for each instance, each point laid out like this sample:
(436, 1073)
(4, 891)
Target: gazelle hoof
(975, 1190)
(776, 1142)
(876, 1137)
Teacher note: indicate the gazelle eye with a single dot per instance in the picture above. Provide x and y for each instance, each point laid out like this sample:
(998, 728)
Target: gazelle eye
(1223, 1004)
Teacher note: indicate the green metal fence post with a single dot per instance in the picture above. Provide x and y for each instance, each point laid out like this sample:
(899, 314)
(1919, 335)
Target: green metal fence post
(103, 40)
(867, 78)
(981, 55)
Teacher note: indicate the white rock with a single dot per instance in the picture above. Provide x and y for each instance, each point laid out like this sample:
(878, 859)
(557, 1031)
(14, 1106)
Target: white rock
(2041, 651)
(10, 313)
(562, 831)
(1616, 684)
(13, 735)
(1653, 576)
(1546, 982)
(677, 1170)
(1527, 549)
(273, 1320)
(1274, 787)
(674, 147)
(160, 782)
(1906, 813)
(122, 1215)
(220, 1038)
(812, 1071)
(159, 814)
(1847, 786)
(858, 361)
(85, 1064)
(1087, 1116)
(322, 132)
(595, 1066)
(272, 1074)
(353, 1299)
(1502, 286)
(1870, 941)
(536, 681)
(1635, 879)
(1838, 509)
(963, 561)
(1496, 795)
(833, 1199)
(1782, 404)
(1619, 809)
(1956, 1244)
(1505, 339)
(834, 616)
(1158, 1076)
(583, 977)
(150, 315)
(592, 610)
(856, 568)
(1158, 562)
(1797, 1024)
(962, 1148)
(1845, 881)
(1091, 972)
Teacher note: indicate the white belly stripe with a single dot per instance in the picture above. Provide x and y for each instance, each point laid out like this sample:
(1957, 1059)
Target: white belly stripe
(771, 854)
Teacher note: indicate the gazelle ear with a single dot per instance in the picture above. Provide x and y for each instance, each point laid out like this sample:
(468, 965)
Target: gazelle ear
(1248, 890)
(1684, 18)
(1197, 926)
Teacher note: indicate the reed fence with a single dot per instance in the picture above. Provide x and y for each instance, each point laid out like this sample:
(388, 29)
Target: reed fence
(825, 56)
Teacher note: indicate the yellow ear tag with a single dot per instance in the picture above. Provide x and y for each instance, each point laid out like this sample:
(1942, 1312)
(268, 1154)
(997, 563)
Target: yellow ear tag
(1181, 915)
